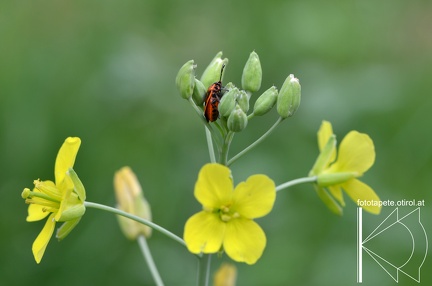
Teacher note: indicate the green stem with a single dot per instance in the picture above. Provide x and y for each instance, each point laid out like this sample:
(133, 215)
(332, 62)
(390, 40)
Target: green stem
(142, 241)
(136, 218)
(248, 148)
(250, 116)
(296, 182)
(210, 145)
(204, 270)
(200, 114)
(225, 148)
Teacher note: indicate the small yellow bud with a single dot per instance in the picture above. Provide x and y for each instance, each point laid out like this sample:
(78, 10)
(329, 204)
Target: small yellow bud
(226, 275)
(130, 199)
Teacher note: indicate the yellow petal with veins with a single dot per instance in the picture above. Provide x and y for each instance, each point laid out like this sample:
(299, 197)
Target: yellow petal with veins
(66, 158)
(214, 186)
(244, 240)
(41, 241)
(255, 197)
(204, 233)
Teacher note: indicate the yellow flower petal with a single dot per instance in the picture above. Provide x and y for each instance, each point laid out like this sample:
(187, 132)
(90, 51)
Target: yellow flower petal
(214, 186)
(41, 241)
(324, 134)
(356, 154)
(358, 190)
(66, 187)
(35, 212)
(66, 157)
(204, 233)
(244, 240)
(255, 197)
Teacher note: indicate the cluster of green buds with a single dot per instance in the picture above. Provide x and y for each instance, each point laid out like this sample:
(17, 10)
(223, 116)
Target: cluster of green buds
(225, 110)
(233, 102)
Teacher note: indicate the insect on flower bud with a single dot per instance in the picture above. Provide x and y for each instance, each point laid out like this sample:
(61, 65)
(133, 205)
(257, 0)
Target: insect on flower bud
(212, 73)
(266, 101)
(199, 93)
(237, 121)
(289, 97)
(130, 199)
(185, 80)
(243, 100)
(228, 102)
(252, 74)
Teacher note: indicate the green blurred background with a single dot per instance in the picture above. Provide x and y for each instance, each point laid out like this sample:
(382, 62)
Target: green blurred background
(105, 70)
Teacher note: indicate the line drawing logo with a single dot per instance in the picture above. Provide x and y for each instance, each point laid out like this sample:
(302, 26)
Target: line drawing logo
(413, 239)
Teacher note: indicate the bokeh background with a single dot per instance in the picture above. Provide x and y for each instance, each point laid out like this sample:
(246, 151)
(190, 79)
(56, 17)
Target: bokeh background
(105, 70)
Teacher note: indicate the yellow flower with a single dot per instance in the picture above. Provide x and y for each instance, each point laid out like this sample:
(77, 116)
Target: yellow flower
(227, 216)
(62, 201)
(130, 198)
(356, 155)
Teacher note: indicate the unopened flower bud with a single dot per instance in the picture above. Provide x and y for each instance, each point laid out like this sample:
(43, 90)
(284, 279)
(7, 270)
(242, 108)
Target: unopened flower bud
(226, 275)
(229, 86)
(185, 80)
(237, 120)
(252, 74)
(266, 101)
(130, 199)
(212, 73)
(243, 100)
(228, 102)
(289, 97)
(199, 93)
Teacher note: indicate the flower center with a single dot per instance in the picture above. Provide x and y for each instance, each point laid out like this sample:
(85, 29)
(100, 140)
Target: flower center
(226, 213)
(45, 194)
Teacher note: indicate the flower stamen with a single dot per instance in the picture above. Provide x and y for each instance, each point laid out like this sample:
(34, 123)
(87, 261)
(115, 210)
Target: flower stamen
(45, 188)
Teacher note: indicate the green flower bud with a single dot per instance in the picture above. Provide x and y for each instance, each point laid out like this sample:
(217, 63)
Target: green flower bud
(243, 100)
(266, 101)
(228, 102)
(199, 93)
(185, 80)
(252, 74)
(212, 73)
(229, 86)
(289, 97)
(237, 121)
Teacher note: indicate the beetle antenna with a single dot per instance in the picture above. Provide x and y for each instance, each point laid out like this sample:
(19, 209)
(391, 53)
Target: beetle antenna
(220, 79)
